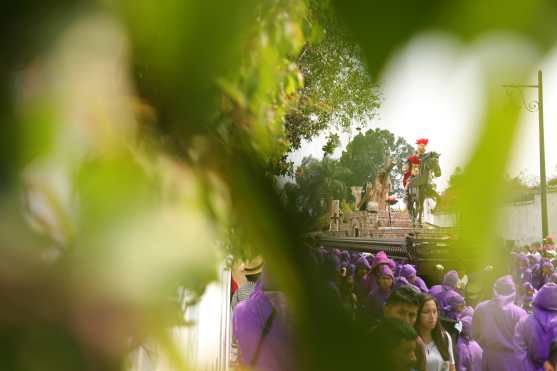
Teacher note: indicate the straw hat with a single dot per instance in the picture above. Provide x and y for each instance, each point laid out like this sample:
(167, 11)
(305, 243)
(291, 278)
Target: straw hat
(253, 266)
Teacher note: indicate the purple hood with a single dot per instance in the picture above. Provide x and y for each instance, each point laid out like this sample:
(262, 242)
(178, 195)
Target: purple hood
(451, 279)
(504, 290)
(407, 271)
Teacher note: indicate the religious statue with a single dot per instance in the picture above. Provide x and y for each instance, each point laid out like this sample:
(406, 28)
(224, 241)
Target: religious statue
(419, 170)
(376, 192)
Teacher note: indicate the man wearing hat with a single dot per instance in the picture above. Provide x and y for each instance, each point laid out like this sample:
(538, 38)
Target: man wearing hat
(261, 326)
(246, 275)
(534, 333)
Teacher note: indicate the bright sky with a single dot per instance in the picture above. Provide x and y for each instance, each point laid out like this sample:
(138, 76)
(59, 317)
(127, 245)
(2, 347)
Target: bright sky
(432, 88)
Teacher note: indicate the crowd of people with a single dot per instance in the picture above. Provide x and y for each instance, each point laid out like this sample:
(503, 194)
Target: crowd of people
(420, 327)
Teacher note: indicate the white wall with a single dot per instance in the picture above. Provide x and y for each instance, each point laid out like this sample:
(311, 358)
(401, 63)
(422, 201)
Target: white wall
(520, 222)
(205, 345)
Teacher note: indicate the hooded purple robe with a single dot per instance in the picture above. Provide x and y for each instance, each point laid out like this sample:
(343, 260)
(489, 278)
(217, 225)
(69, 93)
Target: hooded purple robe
(248, 321)
(493, 327)
(534, 333)
(467, 312)
(469, 351)
(381, 258)
(362, 285)
(378, 297)
(446, 289)
(409, 272)
(453, 301)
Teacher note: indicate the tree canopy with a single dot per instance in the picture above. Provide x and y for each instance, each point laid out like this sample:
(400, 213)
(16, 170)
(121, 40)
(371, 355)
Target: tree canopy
(317, 182)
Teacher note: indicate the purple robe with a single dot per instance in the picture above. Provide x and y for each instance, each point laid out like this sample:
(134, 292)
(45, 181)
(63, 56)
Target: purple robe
(443, 291)
(469, 351)
(409, 272)
(362, 288)
(378, 296)
(493, 327)
(380, 259)
(362, 285)
(435, 290)
(443, 295)
(248, 321)
(469, 355)
(377, 299)
(453, 301)
(451, 279)
(534, 333)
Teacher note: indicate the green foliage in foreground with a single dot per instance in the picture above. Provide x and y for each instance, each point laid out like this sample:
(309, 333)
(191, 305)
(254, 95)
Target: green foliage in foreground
(135, 133)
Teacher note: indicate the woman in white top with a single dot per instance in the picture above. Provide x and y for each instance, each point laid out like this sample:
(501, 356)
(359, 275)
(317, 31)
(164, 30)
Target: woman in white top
(438, 347)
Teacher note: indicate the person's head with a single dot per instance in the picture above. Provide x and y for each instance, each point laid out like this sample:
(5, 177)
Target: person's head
(343, 271)
(551, 363)
(252, 268)
(421, 146)
(402, 304)
(409, 272)
(396, 345)
(504, 289)
(428, 322)
(528, 289)
(456, 303)
(547, 268)
(385, 278)
(362, 266)
(451, 279)
(428, 316)
(546, 298)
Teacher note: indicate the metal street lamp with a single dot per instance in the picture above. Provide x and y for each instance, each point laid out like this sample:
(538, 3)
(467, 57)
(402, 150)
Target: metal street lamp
(533, 107)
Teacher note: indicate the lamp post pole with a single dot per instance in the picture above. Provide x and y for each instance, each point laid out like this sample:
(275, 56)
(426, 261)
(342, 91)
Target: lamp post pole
(538, 105)
(543, 181)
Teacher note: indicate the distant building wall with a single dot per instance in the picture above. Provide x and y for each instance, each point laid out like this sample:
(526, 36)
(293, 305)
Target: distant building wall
(520, 222)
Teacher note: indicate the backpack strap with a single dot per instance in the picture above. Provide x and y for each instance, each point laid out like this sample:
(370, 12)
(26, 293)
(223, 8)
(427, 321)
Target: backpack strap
(264, 333)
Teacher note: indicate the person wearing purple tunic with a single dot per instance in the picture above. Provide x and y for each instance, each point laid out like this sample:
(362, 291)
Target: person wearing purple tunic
(493, 327)
(455, 305)
(361, 280)
(534, 333)
(469, 351)
(379, 296)
(409, 272)
(467, 312)
(380, 259)
(260, 328)
(401, 281)
(448, 286)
